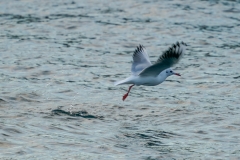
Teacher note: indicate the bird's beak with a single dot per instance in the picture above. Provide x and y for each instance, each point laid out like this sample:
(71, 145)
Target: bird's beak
(177, 74)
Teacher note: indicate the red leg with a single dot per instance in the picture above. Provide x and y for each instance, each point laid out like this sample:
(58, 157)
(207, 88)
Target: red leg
(125, 95)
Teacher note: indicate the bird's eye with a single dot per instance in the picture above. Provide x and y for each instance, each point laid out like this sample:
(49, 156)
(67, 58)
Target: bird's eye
(171, 71)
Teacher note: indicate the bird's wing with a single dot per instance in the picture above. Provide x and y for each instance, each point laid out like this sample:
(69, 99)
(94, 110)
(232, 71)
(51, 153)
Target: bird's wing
(140, 60)
(169, 58)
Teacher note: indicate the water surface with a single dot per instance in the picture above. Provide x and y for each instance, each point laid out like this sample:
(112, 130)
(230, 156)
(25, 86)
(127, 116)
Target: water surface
(59, 60)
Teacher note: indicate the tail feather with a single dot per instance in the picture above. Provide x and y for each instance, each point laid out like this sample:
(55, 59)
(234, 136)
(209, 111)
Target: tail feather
(125, 81)
(119, 82)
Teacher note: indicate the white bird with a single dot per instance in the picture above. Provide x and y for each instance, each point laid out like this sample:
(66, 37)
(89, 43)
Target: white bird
(148, 74)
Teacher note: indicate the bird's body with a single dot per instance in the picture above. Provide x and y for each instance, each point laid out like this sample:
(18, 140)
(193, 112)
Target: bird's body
(144, 80)
(148, 74)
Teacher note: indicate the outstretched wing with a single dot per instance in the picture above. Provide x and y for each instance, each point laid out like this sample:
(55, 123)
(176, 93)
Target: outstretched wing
(166, 60)
(140, 60)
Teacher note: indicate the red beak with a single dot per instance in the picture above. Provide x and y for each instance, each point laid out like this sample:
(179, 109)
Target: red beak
(177, 74)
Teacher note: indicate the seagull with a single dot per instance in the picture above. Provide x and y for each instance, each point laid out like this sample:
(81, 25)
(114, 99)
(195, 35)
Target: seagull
(148, 74)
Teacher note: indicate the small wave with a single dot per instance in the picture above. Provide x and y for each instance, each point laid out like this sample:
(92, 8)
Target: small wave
(83, 114)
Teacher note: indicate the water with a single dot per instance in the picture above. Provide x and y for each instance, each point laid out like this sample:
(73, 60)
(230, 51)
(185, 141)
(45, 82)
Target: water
(59, 60)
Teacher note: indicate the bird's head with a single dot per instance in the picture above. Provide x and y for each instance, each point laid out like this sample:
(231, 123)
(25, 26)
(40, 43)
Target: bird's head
(170, 72)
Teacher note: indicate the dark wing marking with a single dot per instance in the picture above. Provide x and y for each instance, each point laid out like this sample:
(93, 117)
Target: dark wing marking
(169, 58)
(140, 60)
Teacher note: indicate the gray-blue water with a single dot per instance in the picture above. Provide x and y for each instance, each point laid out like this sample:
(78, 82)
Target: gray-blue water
(59, 60)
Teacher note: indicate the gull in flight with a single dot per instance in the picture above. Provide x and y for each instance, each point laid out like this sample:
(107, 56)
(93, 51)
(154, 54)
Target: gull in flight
(148, 74)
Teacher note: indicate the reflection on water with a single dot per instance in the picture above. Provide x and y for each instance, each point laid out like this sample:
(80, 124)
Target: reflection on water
(59, 61)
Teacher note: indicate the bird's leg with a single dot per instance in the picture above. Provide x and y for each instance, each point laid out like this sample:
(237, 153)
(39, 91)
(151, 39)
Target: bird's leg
(125, 95)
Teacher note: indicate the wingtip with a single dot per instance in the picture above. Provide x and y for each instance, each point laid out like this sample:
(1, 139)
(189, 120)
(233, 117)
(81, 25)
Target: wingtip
(140, 46)
(178, 44)
(183, 43)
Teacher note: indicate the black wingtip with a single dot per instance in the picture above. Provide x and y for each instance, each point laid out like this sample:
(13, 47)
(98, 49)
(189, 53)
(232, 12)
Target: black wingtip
(171, 52)
(140, 46)
(138, 49)
(184, 43)
(177, 44)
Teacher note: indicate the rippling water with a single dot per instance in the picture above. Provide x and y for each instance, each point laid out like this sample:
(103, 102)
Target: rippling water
(59, 60)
